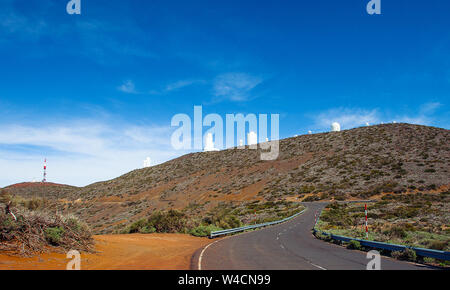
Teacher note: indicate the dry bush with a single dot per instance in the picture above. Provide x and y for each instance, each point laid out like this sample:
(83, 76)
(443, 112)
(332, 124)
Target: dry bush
(36, 232)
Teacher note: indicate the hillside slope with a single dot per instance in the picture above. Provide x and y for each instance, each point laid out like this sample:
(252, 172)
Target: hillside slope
(358, 163)
(39, 189)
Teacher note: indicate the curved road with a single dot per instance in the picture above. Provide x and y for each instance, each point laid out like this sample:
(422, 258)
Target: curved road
(289, 246)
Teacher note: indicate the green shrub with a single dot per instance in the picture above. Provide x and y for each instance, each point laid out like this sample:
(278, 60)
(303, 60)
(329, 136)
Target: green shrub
(136, 226)
(5, 197)
(34, 231)
(428, 260)
(406, 255)
(336, 215)
(162, 222)
(322, 236)
(54, 235)
(340, 197)
(204, 231)
(75, 224)
(169, 222)
(147, 230)
(396, 232)
(354, 245)
(229, 222)
(438, 245)
(223, 215)
(33, 204)
(406, 212)
(311, 198)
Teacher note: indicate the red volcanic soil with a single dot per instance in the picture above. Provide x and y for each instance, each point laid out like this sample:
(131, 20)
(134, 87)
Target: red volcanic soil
(120, 252)
(34, 184)
(47, 190)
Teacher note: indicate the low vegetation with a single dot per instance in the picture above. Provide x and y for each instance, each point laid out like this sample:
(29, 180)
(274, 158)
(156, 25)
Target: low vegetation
(30, 229)
(223, 216)
(161, 222)
(417, 220)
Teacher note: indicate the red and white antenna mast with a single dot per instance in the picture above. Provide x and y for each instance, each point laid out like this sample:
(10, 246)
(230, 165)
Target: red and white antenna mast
(45, 170)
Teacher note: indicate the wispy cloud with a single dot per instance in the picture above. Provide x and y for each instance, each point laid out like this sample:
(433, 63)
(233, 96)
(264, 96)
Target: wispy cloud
(128, 87)
(235, 86)
(430, 108)
(102, 41)
(355, 117)
(80, 152)
(181, 84)
(12, 22)
(346, 117)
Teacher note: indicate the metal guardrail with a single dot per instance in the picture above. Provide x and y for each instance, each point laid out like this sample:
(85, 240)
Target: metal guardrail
(441, 255)
(245, 228)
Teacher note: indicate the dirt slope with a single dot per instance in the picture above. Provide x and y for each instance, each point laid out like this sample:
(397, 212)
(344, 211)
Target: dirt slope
(121, 252)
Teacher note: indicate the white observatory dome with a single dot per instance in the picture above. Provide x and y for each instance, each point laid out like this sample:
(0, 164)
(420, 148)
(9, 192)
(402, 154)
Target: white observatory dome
(147, 162)
(209, 146)
(335, 127)
(252, 138)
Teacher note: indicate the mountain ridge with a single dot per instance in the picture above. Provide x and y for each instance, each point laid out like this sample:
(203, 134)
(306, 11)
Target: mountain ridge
(357, 163)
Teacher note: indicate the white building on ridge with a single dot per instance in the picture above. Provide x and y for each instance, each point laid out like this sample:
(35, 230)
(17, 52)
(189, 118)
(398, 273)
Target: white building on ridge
(335, 127)
(209, 143)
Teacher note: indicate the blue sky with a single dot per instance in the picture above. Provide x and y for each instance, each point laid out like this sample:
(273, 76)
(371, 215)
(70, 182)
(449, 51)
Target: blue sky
(95, 93)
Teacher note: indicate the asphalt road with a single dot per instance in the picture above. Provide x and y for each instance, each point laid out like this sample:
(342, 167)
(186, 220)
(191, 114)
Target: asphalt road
(289, 246)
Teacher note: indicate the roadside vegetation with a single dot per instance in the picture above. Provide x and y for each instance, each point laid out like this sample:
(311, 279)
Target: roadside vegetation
(417, 220)
(223, 216)
(30, 229)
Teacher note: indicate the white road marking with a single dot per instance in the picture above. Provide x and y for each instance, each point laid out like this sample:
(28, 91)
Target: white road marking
(204, 249)
(317, 266)
(201, 255)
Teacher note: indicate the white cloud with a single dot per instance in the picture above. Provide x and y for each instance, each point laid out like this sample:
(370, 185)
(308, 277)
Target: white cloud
(181, 84)
(12, 23)
(31, 26)
(79, 153)
(430, 108)
(128, 87)
(235, 86)
(356, 117)
(347, 118)
(176, 86)
(98, 40)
